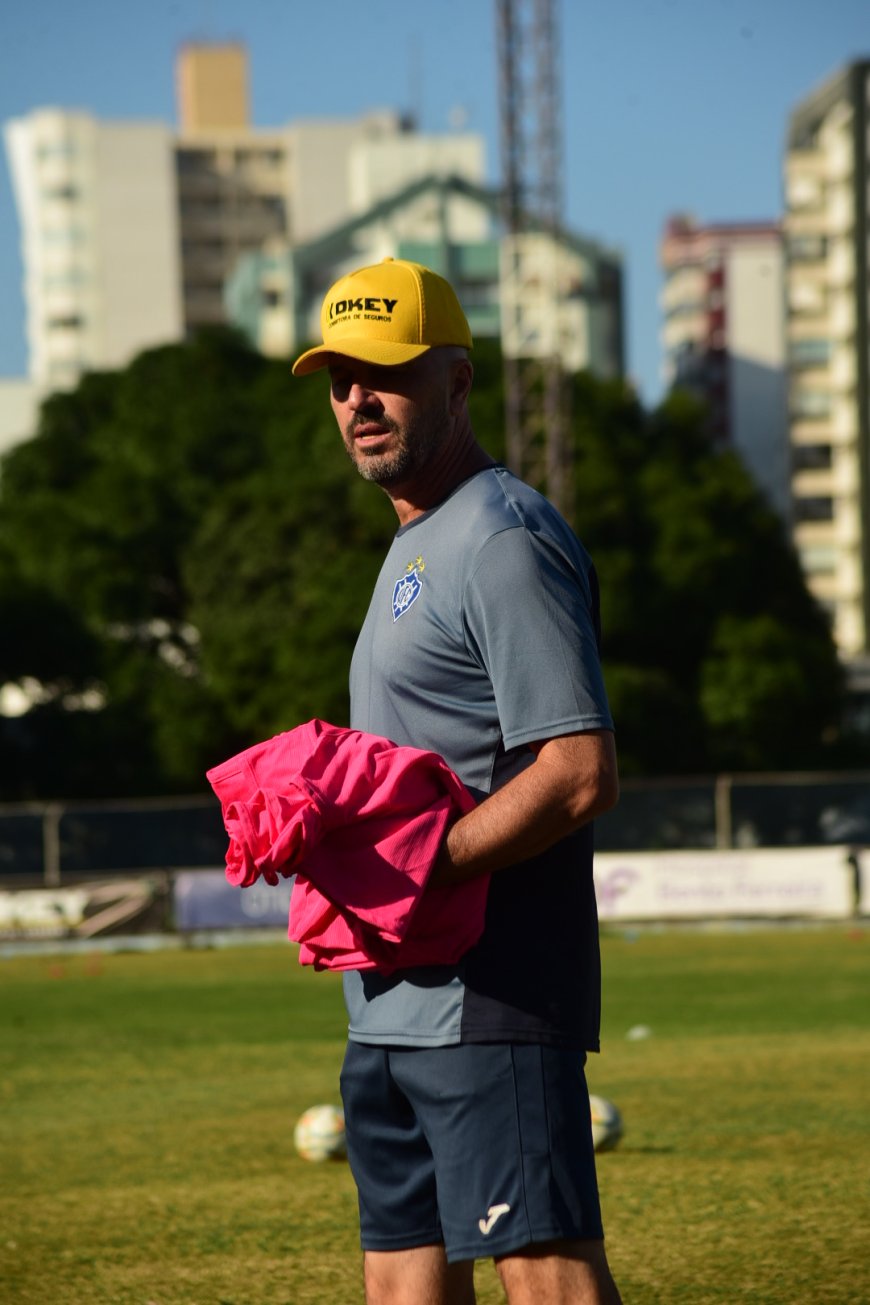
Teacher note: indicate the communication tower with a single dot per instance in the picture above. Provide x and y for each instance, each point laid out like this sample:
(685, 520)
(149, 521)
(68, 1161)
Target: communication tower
(536, 387)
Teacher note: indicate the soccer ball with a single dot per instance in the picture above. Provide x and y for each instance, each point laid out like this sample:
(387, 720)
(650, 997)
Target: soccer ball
(606, 1123)
(319, 1134)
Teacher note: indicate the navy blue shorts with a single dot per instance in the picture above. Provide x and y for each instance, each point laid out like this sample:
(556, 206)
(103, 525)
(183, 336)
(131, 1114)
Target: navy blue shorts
(484, 1148)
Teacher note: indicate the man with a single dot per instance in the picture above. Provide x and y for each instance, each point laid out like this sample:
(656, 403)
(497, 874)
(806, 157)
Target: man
(465, 1099)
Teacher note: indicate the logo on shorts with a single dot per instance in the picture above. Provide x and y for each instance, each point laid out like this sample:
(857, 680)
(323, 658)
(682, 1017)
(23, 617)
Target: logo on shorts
(493, 1214)
(407, 588)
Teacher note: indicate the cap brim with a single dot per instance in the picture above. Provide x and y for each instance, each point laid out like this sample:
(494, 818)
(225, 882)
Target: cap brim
(384, 353)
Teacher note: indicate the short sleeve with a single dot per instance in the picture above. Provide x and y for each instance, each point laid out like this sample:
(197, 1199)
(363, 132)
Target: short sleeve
(531, 620)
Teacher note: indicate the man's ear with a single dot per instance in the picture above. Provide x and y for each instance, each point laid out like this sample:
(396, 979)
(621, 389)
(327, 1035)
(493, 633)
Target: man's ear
(460, 386)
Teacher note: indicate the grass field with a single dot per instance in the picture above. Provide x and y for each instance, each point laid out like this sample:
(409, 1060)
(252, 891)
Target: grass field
(149, 1102)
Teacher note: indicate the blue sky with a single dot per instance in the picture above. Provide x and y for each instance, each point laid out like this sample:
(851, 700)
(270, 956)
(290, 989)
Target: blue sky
(668, 105)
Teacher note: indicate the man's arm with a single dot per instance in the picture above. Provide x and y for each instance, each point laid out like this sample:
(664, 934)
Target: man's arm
(572, 780)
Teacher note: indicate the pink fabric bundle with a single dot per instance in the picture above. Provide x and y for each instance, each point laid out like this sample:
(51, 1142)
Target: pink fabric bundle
(359, 820)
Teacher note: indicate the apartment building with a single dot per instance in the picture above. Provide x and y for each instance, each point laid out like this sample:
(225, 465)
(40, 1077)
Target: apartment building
(828, 343)
(242, 189)
(99, 233)
(130, 231)
(723, 337)
(453, 226)
(232, 182)
(138, 234)
(19, 411)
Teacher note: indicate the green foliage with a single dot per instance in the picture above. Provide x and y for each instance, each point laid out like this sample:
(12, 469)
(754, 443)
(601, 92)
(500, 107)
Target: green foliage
(186, 557)
(281, 569)
(761, 700)
(717, 657)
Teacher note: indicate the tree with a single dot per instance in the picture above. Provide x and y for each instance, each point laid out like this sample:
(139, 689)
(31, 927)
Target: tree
(186, 557)
(281, 569)
(700, 588)
(97, 512)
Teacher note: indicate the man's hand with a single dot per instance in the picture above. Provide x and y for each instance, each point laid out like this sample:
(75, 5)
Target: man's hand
(572, 780)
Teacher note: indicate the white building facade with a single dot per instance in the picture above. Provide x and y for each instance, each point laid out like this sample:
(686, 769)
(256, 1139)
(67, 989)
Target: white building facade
(130, 231)
(139, 234)
(452, 226)
(99, 241)
(723, 338)
(827, 229)
(19, 411)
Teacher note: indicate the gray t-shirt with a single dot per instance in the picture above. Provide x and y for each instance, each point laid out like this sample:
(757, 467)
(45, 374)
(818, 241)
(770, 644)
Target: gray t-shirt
(481, 638)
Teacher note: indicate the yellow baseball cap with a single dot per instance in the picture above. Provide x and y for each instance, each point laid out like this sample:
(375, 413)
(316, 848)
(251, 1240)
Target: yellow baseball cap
(387, 314)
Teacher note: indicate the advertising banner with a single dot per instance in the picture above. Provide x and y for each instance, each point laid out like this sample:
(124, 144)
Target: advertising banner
(202, 899)
(85, 911)
(818, 882)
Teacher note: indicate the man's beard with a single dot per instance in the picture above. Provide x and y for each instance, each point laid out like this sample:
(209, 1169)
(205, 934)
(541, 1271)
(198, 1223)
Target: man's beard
(413, 448)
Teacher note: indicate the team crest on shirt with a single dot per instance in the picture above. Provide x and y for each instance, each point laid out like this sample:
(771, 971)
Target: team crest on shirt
(407, 588)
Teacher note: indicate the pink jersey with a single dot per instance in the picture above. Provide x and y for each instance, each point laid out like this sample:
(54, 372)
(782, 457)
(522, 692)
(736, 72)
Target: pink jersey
(359, 821)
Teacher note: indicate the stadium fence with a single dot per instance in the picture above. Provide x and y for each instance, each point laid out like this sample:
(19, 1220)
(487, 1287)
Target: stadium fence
(49, 844)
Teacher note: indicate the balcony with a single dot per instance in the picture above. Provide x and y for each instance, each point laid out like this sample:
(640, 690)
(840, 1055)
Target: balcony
(841, 264)
(841, 317)
(843, 369)
(840, 211)
(849, 629)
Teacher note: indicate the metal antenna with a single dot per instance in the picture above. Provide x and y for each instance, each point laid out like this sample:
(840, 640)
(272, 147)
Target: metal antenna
(536, 388)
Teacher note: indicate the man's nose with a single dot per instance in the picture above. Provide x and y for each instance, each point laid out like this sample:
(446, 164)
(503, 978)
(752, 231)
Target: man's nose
(360, 396)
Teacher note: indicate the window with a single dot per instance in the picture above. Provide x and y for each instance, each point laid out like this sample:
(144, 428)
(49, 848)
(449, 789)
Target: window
(816, 508)
(809, 353)
(686, 308)
(192, 161)
(254, 156)
(806, 298)
(819, 560)
(197, 208)
(205, 285)
(67, 192)
(478, 293)
(810, 404)
(58, 149)
(805, 192)
(66, 235)
(65, 372)
(70, 278)
(807, 249)
(209, 246)
(273, 205)
(812, 457)
(69, 322)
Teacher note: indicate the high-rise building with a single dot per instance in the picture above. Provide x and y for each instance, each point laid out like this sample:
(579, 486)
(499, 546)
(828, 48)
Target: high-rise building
(99, 224)
(232, 184)
(130, 231)
(453, 226)
(241, 188)
(135, 234)
(723, 338)
(827, 229)
(211, 86)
